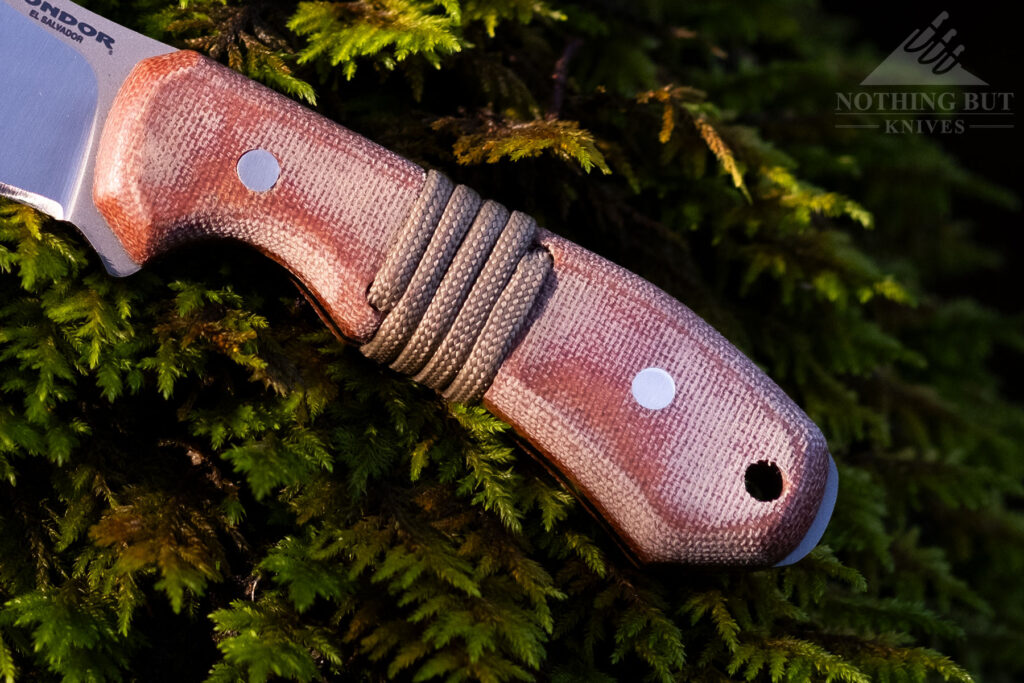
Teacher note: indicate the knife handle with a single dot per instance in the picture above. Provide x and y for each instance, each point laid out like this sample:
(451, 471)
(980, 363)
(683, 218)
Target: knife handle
(657, 419)
(686, 448)
(170, 170)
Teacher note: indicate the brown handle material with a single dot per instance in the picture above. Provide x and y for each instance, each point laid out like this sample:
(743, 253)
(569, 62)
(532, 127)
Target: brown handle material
(673, 479)
(166, 175)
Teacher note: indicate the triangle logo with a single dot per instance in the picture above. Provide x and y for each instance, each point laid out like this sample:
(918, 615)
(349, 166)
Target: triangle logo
(927, 57)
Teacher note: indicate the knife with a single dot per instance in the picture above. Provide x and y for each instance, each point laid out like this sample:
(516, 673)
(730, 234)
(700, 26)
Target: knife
(680, 443)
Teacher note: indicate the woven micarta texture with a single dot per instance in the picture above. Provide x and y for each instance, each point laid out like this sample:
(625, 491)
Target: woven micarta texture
(166, 175)
(670, 481)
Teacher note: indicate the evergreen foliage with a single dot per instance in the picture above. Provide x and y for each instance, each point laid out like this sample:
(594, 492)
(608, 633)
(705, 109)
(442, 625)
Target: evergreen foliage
(200, 483)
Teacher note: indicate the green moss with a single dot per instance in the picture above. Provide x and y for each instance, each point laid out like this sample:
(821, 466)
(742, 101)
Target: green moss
(197, 480)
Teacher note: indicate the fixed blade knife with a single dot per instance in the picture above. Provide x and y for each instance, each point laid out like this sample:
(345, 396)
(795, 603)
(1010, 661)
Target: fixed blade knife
(680, 443)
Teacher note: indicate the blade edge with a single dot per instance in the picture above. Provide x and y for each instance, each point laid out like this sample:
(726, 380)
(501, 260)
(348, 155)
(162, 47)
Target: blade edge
(36, 201)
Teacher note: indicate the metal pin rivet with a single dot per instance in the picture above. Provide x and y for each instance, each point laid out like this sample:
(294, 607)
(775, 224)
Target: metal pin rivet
(653, 388)
(258, 170)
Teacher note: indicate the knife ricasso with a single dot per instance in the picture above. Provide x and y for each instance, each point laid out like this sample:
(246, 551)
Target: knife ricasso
(167, 173)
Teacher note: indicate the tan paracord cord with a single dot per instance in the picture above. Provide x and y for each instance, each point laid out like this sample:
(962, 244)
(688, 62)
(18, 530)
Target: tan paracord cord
(456, 286)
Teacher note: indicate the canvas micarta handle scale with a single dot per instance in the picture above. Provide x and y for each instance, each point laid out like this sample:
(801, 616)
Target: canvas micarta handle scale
(671, 479)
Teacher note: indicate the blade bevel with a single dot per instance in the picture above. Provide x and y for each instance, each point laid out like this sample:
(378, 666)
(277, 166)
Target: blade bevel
(37, 39)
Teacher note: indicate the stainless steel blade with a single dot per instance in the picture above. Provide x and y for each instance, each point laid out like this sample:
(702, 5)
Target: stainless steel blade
(60, 69)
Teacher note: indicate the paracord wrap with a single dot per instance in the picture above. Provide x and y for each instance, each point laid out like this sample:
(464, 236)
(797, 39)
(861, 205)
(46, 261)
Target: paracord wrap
(456, 286)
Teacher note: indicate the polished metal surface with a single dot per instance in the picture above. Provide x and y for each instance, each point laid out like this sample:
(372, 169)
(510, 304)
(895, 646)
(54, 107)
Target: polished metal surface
(653, 388)
(258, 170)
(60, 69)
(821, 519)
(46, 116)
